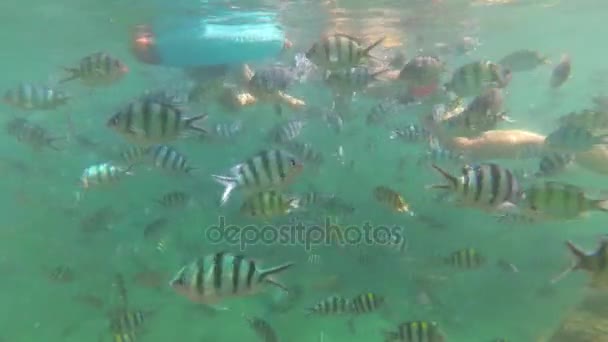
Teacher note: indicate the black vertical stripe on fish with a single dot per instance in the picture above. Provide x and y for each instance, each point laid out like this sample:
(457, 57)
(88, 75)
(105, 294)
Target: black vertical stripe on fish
(178, 119)
(129, 117)
(266, 166)
(409, 331)
(200, 276)
(326, 48)
(236, 272)
(147, 117)
(280, 166)
(164, 118)
(218, 267)
(466, 182)
(420, 331)
(243, 175)
(479, 178)
(495, 179)
(167, 153)
(252, 168)
(510, 189)
(250, 273)
(351, 52)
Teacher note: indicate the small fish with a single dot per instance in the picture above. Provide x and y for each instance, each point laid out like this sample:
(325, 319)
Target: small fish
(524, 60)
(145, 122)
(35, 97)
(104, 173)
(327, 202)
(97, 69)
(470, 79)
(227, 130)
(268, 204)
(265, 170)
(411, 133)
(574, 139)
(168, 158)
(128, 321)
(270, 80)
(436, 154)
(333, 305)
(221, 275)
(124, 337)
(154, 228)
(381, 112)
(561, 72)
(32, 134)
(560, 201)
(467, 258)
(62, 274)
(263, 329)
(287, 131)
(588, 119)
(422, 70)
(174, 199)
(416, 331)
(365, 303)
(121, 288)
(339, 51)
(507, 266)
(352, 79)
(304, 152)
(488, 186)
(553, 163)
(135, 155)
(391, 198)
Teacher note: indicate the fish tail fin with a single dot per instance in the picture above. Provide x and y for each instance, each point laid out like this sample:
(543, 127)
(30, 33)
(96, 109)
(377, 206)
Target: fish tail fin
(367, 50)
(229, 184)
(266, 275)
(73, 73)
(601, 205)
(451, 179)
(578, 254)
(191, 123)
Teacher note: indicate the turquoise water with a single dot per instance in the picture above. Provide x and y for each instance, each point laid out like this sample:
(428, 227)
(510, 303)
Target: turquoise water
(45, 205)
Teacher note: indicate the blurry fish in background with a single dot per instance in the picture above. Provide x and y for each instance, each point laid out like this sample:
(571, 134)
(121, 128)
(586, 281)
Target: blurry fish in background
(436, 154)
(225, 130)
(30, 96)
(146, 122)
(134, 155)
(411, 133)
(168, 158)
(507, 266)
(466, 258)
(561, 73)
(269, 84)
(262, 329)
(262, 171)
(553, 163)
(332, 305)
(352, 80)
(524, 60)
(574, 139)
(155, 227)
(588, 119)
(382, 111)
(269, 204)
(391, 198)
(366, 303)
(305, 152)
(104, 173)
(416, 331)
(287, 131)
(222, 275)
(340, 51)
(97, 69)
(471, 79)
(422, 75)
(32, 134)
(174, 199)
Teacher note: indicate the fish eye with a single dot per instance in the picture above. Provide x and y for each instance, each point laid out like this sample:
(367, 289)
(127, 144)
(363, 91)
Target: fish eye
(293, 162)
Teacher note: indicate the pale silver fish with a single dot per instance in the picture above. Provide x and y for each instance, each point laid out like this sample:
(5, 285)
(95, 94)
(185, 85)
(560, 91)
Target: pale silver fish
(97, 69)
(32, 134)
(214, 277)
(287, 131)
(265, 170)
(104, 173)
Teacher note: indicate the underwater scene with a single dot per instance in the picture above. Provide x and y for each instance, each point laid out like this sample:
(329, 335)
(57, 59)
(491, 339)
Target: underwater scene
(304, 171)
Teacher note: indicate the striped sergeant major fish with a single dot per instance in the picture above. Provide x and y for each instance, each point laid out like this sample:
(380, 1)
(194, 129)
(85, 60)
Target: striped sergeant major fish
(339, 51)
(263, 329)
(557, 200)
(416, 331)
(466, 258)
(214, 277)
(574, 139)
(168, 158)
(32, 134)
(147, 122)
(365, 303)
(97, 69)
(263, 171)
(486, 186)
(553, 163)
(35, 97)
(587, 118)
(332, 305)
(104, 173)
(470, 79)
(352, 79)
(268, 204)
